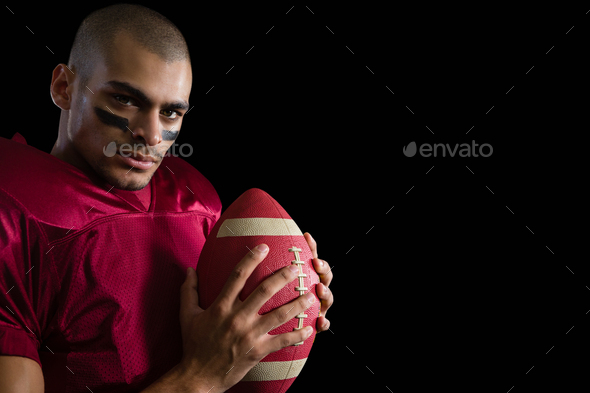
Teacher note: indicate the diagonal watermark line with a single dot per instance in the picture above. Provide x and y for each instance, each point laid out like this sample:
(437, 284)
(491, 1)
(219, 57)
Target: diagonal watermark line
(569, 330)
(409, 109)
(529, 229)
(10, 310)
(429, 170)
(529, 370)
(509, 209)
(430, 130)
(50, 50)
(349, 49)
(370, 70)
(572, 273)
(229, 70)
(28, 28)
(391, 207)
(329, 29)
(549, 350)
(570, 29)
(10, 10)
(349, 349)
(349, 250)
(247, 52)
(246, 246)
(391, 91)
(529, 70)
(308, 9)
(269, 30)
(409, 190)
(472, 127)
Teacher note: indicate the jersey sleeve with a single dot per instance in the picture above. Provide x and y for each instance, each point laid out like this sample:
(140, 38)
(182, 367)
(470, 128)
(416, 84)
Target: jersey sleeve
(25, 281)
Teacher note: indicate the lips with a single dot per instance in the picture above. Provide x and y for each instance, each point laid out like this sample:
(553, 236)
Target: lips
(138, 161)
(139, 157)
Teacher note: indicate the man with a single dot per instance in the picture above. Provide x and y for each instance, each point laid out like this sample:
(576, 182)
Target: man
(94, 246)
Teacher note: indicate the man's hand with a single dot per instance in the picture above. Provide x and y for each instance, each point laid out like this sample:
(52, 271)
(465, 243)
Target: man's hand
(221, 344)
(324, 294)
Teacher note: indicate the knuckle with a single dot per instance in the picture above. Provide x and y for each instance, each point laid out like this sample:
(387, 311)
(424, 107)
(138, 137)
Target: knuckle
(265, 289)
(286, 274)
(234, 324)
(239, 272)
(285, 342)
(256, 353)
(281, 316)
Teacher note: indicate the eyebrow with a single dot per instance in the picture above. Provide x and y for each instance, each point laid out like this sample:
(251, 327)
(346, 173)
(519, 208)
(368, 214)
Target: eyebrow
(134, 91)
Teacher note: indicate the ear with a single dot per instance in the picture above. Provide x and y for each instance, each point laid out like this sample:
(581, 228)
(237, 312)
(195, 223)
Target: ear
(62, 86)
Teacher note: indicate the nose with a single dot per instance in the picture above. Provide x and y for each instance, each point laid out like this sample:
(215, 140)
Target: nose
(148, 129)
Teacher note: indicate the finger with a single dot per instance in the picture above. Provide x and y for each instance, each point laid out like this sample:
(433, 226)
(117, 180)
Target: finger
(267, 288)
(326, 297)
(324, 270)
(322, 324)
(285, 313)
(280, 341)
(189, 297)
(312, 244)
(238, 277)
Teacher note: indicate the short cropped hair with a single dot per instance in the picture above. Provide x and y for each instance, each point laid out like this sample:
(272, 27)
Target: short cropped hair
(95, 37)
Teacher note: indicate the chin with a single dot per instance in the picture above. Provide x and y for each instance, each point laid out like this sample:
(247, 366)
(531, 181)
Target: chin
(123, 179)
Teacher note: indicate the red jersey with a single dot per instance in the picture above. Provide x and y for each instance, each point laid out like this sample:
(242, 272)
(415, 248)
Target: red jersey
(90, 275)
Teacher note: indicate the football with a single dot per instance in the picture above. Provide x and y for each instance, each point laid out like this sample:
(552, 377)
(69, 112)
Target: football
(254, 218)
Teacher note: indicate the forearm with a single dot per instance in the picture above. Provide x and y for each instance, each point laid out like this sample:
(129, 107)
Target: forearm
(176, 380)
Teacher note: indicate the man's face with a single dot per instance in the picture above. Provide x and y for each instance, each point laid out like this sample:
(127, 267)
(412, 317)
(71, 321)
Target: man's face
(137, 100)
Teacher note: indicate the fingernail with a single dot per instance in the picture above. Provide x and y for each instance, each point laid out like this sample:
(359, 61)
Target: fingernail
(308, 331)
(321, 263)
(262, 248)
(294, 269)
(310, 297)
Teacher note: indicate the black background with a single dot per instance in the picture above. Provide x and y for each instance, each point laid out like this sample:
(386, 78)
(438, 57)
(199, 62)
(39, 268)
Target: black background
(438, 282)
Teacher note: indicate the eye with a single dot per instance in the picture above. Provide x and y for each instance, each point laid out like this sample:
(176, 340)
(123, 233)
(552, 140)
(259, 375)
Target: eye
(169, 114)
(124, 100)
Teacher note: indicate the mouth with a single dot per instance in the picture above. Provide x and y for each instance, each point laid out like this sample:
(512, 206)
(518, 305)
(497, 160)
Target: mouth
(138, 161)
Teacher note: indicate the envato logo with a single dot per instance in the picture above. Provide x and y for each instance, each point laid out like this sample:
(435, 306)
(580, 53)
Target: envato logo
(439, 149)
(127, 150)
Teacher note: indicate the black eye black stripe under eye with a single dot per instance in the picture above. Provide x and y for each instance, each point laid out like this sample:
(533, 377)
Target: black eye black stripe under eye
(122, 123)
(111, 119)
(168, 135)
